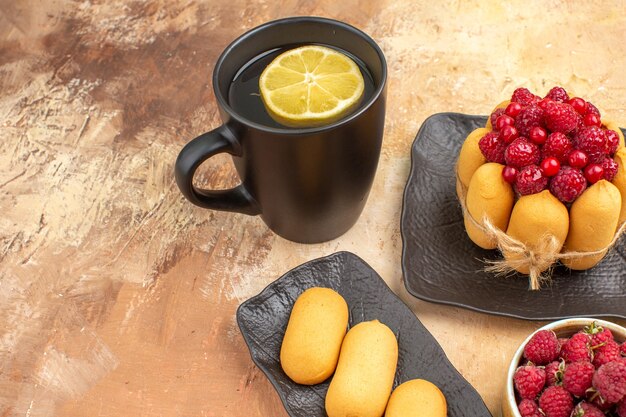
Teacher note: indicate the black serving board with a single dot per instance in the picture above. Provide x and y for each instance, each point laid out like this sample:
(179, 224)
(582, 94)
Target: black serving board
(263, 320)
(441, 264)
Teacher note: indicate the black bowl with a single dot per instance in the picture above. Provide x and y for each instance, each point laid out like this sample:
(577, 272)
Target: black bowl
(441, 264)
(263, 320)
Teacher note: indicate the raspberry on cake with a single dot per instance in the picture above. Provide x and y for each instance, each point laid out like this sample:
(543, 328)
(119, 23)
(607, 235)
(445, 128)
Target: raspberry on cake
(561, 117)
(558, 94)
(591, 109)
(492, 147)
(531, 180)
(592, 140)
(521, 153)
(610, 168)
(568, 184)
(524, 97)
(528, 118)
(612, 141)
(559, 146)
(495, 115)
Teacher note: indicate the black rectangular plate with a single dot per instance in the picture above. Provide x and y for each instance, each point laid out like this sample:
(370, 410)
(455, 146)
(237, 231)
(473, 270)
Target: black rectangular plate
(263, 320)
(441, 264)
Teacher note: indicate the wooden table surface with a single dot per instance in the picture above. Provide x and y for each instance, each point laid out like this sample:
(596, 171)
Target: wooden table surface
(117, 296)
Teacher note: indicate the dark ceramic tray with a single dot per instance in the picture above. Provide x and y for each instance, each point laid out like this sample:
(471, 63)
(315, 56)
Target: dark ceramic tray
(441, 264)
(263, 319)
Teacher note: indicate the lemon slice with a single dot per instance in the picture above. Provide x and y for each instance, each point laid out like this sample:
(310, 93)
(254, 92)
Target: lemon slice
(310, 86)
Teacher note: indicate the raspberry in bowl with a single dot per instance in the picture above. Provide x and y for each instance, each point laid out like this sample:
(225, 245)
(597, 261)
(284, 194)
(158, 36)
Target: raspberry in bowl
(540, 176)
(571, 367)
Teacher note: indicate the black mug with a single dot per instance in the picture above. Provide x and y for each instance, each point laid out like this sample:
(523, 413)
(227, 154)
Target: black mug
(309, 185)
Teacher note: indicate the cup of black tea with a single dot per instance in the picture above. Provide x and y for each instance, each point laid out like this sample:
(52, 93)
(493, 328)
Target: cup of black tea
(309, 184)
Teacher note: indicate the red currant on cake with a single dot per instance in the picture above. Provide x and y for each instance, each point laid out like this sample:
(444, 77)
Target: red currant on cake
(591, 119)
(578, 104)
(513, 109)
(508, 133)
(504, 120)
(594, 173)
(510, 174)
(538, 135)
(578, 159)
(550, 166)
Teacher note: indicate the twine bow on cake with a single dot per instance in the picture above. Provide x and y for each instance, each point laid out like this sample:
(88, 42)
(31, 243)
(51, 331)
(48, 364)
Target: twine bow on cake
(538, 259)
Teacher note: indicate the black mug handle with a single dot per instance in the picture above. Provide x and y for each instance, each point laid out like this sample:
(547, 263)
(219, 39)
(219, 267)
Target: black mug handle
(220, 140)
